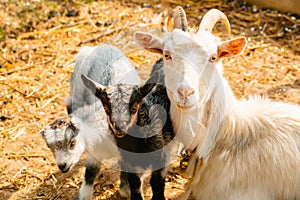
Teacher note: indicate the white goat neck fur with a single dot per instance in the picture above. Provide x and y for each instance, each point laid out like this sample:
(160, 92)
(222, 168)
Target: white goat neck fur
(254, 152)
(250, 148)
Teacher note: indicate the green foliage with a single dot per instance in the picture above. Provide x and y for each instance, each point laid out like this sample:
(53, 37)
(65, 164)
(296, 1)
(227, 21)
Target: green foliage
(30, 13)
(52, 5)
(2, 33)
(25, 8)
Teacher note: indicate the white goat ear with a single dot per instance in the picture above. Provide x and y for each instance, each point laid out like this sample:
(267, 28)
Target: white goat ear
(149, 42)
(232, 47)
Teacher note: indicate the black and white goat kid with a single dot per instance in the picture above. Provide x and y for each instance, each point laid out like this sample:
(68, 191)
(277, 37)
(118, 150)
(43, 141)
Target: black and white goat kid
(84, 129)
(139, 119)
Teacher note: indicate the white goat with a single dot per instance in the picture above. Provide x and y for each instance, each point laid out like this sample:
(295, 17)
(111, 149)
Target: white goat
(248, 149)
(85, 129)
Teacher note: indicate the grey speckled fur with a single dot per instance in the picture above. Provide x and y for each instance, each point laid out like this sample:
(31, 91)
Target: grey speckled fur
(104, 64)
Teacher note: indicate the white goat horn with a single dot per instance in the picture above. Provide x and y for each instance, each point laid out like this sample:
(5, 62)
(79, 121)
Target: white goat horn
(179, 18)
(211, 18)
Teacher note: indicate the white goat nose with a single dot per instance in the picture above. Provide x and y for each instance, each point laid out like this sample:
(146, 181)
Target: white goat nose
(185, 91)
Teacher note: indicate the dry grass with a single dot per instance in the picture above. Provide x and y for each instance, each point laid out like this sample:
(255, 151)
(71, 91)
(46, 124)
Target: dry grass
(37, 59)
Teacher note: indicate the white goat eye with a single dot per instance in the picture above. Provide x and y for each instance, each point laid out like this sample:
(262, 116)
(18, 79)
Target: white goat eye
(167, 56)
(213, 58)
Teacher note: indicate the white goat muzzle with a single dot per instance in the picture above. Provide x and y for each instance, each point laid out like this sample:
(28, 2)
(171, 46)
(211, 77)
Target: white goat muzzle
(185, 96)
(184, 87)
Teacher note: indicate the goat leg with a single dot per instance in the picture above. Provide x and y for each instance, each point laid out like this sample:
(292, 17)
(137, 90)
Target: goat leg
(91, 171)
(157, 183)
(124, 192)
(135, 185)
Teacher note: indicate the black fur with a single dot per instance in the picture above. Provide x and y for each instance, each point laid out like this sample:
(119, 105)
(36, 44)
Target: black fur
(136, 144)
(140, 120)
(91, 171)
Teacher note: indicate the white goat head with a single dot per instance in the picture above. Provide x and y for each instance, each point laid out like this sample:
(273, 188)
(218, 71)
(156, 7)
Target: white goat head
(62, 138)
(121, 101)
(192, 60)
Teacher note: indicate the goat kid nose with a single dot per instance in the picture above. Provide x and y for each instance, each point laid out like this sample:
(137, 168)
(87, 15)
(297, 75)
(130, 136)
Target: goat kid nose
(120, 126)
(185, 92)
(62, 166)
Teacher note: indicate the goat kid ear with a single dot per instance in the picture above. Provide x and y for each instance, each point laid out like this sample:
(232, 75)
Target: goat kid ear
(93, 86)
(42, 132)
(68, 102)
(97, 89)
(74, 120)
(149, 84)
(142, 91)
(232, 47)
(149, 42)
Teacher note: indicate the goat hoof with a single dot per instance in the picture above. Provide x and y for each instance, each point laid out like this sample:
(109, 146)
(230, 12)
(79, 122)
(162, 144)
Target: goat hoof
(119, 197)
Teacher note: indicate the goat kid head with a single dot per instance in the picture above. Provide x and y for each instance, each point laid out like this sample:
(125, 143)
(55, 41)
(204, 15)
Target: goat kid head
(62, 138)
(121, 102)
(192, 61)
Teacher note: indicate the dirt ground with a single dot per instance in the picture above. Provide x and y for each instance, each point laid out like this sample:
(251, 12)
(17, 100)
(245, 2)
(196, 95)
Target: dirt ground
(38, 42)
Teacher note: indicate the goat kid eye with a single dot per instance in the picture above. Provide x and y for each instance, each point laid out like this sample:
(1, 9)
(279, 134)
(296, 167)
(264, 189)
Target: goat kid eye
(133, 109)
(167, 56)
(73, 143)
(213, 58)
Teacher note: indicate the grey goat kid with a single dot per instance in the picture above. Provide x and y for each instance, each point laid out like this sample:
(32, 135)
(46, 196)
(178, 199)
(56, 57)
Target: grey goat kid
(83, 129)
(139, 118)
(106, 65)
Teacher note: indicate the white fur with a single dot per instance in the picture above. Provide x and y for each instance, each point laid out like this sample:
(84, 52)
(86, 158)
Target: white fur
(86, 192)
(57, 139)
(50, 137)
(94, 132)
(124, 191)
(250, 148)
(126, 75)
(104, 64)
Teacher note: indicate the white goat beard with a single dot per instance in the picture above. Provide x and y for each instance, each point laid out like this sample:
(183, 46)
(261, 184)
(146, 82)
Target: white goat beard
(214, 121)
